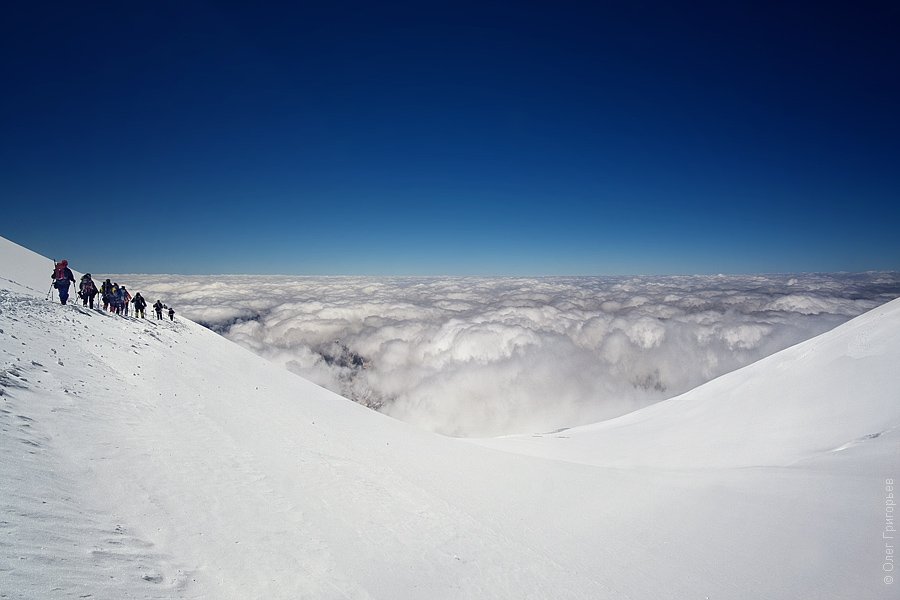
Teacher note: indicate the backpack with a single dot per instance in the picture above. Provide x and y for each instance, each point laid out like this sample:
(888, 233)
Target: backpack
(87, 287)
(60, 272)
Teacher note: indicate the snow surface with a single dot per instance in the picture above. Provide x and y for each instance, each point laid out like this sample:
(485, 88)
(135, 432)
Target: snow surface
(155, 459)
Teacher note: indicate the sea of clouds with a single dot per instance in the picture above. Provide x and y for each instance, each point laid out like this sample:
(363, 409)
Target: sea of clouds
(483, 357)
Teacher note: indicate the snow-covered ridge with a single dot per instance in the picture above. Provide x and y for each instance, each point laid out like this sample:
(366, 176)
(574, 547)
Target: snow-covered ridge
(145, 459)
(25, 271)
(827, 393)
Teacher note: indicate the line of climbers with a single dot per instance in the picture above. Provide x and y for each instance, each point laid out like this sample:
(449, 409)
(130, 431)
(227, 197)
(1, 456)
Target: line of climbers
(115, 297)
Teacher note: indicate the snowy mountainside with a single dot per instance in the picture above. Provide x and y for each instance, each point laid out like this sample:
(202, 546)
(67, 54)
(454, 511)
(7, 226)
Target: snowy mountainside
(154, 459)
(817, 396)
(26, 271)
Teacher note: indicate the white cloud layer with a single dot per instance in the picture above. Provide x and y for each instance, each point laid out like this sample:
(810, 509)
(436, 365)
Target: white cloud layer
(480, 357)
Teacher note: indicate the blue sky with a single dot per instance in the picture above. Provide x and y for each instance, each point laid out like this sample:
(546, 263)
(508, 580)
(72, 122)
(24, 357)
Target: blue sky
(453, 138)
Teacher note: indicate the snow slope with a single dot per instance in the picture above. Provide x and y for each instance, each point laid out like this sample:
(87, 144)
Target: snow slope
(822, 395)
(145, 459)
(28, 272)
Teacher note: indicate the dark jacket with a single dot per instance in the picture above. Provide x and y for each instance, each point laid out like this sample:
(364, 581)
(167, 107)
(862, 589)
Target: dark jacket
(87, 287)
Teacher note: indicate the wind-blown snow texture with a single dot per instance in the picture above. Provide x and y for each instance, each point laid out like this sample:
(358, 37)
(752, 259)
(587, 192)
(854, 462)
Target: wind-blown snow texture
(158, 460)
(478, 356)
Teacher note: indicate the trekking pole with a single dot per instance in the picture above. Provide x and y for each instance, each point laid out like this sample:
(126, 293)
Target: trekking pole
(50, 291)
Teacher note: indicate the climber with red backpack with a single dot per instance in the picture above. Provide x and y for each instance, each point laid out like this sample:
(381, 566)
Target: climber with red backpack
(62, 278)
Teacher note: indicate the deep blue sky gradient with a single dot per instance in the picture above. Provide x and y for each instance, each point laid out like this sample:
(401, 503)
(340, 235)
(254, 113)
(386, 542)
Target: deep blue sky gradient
(453, 138)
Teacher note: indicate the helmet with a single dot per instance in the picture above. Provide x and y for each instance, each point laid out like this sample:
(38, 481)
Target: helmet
(64, 262)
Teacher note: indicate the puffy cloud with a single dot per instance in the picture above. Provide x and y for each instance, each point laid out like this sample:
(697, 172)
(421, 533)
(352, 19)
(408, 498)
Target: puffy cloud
(474, 356)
